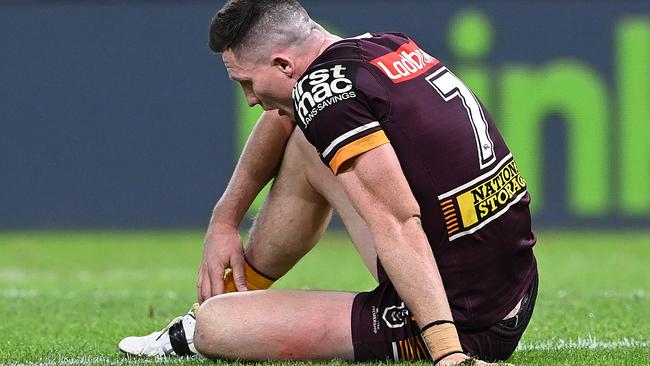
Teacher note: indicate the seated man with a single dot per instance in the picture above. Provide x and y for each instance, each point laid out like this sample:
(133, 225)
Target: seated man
(423, 181)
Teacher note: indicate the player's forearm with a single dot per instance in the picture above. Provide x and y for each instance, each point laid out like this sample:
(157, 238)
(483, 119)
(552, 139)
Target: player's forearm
(377, 188)
(406, 256)
(257, 165)
(413, 271)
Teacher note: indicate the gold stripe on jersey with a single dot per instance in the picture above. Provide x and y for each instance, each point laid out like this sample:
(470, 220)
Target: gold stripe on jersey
(451, 219)
(414, 349)
(422, 349)
(473, 205)
(409, 342)
(411, 349)
(356, 148)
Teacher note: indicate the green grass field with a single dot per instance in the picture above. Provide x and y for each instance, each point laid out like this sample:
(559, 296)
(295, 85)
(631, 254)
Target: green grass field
(68, 298)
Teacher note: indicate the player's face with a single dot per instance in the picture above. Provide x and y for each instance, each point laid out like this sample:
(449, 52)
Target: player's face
(263, 84)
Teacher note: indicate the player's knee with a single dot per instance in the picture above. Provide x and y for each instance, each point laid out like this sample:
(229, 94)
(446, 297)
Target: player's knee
(211, 334)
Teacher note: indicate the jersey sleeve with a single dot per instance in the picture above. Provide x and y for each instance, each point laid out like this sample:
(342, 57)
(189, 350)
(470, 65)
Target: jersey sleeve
(338, 108)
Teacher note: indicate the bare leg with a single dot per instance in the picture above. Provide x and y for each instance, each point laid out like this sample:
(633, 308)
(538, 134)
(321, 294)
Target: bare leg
(297, 211)
(281, 325)
(288, 325)
(293, 218)
(325, 183)
(276, 325)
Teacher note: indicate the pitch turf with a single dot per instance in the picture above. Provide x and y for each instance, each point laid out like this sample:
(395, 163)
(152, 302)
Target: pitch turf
(67, 298)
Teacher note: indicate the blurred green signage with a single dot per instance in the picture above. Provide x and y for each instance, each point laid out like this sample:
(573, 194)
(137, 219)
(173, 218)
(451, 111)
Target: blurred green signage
(607, 123)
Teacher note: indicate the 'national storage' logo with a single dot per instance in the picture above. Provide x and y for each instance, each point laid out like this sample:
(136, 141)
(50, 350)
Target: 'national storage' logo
(473, 205)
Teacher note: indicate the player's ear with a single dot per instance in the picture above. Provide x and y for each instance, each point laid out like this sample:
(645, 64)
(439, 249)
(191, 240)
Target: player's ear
(285, 65)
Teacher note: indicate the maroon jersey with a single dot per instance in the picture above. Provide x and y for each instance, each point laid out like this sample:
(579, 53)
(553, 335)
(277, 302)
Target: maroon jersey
(382, 88)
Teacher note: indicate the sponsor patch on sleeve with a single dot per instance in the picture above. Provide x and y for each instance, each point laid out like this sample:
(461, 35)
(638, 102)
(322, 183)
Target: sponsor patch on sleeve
(333, 108)
(473, 205)
(320, 89)
(408, 62)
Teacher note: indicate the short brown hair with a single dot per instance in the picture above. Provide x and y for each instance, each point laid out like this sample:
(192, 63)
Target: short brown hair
(233, 24)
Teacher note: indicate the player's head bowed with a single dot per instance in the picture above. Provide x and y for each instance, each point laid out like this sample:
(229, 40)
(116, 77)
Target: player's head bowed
(266, 45)
(255, 27)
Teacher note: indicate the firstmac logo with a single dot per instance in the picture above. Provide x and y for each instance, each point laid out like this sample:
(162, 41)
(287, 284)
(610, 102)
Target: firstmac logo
(319, 90)
(408, 62)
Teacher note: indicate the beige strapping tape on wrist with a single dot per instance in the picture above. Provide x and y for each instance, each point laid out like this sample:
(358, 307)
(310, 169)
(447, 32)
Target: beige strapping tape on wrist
(442, 340)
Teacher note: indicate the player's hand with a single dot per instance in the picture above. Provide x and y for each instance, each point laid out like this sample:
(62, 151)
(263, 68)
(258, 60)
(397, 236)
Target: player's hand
(222, 249)
(462, 359)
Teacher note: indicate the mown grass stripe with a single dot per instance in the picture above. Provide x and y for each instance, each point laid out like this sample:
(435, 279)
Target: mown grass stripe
(590, 343)
(64, 361)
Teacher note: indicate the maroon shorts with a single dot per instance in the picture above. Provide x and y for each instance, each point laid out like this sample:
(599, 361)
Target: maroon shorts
(383, 329)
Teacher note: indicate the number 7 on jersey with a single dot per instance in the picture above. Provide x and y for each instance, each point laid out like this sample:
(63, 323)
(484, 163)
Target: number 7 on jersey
(450, 87)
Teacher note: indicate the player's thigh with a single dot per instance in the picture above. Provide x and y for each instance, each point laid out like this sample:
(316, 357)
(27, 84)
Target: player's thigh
(276, 325)
(292, 219)
(323, 181)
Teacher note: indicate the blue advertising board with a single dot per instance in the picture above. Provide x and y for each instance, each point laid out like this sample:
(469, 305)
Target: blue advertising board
(114, 114)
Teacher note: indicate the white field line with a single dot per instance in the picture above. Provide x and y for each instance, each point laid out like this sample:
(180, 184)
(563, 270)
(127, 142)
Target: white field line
(582, 343)
(84, 276)
(16, 293)
(22, 293)
(603, 294)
